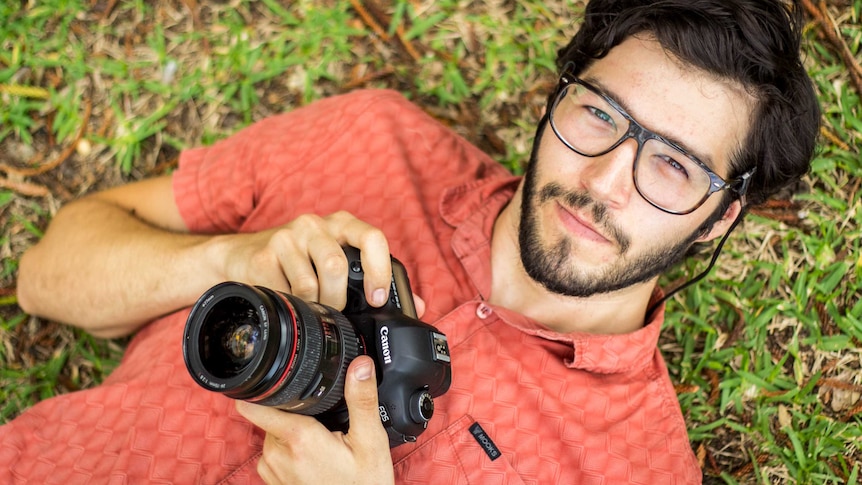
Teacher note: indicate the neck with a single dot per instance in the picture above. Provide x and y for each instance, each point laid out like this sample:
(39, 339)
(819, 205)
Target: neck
(511, 287)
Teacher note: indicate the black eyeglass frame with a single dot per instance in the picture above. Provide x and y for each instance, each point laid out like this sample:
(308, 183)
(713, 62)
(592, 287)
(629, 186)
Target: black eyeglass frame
(642, 135)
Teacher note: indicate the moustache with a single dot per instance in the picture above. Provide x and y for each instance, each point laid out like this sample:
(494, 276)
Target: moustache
(598, 210)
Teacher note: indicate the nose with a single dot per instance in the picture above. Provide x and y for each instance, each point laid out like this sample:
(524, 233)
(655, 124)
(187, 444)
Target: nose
(608, 177)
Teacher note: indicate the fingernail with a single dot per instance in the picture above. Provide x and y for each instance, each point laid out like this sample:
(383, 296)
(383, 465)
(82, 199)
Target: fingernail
(363, 372)
(378, 297)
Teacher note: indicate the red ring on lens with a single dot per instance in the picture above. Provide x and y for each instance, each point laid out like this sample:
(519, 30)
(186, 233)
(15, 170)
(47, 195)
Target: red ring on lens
(289, 367)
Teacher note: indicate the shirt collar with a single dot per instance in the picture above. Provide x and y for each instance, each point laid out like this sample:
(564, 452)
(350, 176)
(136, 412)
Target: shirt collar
(472, 209)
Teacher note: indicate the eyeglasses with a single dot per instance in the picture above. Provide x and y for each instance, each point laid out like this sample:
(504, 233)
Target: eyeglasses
(592, 124)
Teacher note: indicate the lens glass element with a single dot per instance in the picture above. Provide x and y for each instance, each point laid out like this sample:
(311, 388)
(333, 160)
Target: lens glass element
(231, 338)
(240, 344)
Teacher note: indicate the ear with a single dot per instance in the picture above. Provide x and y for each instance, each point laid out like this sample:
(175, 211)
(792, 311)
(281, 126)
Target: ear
(722, 225)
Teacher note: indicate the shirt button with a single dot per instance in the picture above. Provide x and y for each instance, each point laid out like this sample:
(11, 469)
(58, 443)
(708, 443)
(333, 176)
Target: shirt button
(483, 311)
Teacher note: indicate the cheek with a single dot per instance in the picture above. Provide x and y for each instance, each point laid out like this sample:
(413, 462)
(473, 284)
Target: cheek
(657, 229)
(648, 228)
(557, 162)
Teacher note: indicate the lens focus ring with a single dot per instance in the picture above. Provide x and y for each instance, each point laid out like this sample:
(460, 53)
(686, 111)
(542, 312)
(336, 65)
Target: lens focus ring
(349, 352)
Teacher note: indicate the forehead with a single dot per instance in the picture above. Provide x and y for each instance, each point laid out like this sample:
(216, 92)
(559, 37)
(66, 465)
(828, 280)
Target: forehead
(708, 116)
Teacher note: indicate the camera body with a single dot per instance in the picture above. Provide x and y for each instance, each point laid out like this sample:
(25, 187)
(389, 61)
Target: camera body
(274, 349)
(406, 352)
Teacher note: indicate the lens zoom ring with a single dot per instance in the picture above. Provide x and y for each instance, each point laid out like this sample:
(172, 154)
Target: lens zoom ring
(350, 349)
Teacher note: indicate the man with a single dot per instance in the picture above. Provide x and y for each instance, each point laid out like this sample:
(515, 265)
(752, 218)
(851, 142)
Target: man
(669, 116)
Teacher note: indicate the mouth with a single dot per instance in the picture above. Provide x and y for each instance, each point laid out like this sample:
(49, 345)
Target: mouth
(580, 226)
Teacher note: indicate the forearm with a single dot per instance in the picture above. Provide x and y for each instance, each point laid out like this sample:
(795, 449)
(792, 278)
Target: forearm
(101, 268)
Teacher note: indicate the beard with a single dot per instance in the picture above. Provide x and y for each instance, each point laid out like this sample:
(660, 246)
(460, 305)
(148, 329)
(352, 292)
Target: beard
(549, 262)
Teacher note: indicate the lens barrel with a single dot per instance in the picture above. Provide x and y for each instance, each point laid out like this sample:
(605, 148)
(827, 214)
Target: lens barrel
(258, 345)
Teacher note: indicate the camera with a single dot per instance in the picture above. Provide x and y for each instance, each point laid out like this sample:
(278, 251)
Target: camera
(272, 348)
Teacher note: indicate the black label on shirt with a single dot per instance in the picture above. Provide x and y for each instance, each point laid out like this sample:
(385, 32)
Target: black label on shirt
(485, 441)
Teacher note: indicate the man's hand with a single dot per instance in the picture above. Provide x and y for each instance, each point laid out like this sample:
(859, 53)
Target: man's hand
(299, 450)
(304, 258)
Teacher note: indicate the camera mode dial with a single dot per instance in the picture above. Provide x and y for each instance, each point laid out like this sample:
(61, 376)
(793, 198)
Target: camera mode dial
(421, 406)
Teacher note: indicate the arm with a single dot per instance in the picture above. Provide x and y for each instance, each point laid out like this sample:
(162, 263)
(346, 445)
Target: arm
(114, 260)
(111, 261)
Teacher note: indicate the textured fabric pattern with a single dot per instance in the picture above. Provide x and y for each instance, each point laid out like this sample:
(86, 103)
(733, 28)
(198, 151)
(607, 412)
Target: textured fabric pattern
(559, 408)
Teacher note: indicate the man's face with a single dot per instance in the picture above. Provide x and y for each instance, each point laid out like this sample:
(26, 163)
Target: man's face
(584, 229)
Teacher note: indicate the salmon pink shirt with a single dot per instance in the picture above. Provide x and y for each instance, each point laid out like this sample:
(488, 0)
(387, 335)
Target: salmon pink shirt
(526, 405)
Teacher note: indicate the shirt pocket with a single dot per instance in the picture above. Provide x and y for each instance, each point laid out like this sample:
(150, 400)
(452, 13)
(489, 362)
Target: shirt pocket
(459, 456)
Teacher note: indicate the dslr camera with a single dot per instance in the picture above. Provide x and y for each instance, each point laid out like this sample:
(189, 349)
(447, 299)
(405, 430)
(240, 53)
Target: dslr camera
(272, 348)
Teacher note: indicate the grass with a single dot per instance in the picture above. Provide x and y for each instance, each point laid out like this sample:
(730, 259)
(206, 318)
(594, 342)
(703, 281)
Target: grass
(765, 352)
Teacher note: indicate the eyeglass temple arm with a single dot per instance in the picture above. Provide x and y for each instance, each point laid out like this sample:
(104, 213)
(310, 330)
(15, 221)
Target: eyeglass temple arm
(742, 183)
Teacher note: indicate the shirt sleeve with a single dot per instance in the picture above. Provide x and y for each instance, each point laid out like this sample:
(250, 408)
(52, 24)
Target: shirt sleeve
(218, 187)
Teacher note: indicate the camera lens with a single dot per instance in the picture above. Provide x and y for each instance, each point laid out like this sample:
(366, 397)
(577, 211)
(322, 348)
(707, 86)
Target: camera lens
(275, 349)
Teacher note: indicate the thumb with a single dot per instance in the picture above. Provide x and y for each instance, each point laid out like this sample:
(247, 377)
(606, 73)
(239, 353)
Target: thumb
(360, 394)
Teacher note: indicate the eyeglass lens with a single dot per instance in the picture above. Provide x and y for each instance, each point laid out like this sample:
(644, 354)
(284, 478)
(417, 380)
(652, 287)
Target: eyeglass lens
(666, 177)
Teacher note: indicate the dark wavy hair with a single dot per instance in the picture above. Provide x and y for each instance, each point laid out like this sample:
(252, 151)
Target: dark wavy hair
(755, 43)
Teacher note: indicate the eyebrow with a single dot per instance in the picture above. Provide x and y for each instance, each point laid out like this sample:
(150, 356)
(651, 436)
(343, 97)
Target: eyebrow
(706, 159)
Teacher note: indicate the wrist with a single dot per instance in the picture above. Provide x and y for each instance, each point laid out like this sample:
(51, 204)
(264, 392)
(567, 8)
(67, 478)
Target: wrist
(215, 257)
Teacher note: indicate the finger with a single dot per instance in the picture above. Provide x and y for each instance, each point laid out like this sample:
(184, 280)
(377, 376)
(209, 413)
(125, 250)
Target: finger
(265, 418)
(374, 252)
(331, 266)
(367, 438)
(377, 271)
(301, 278)
(299, 272)
(289, 440)
(419, 303)
(360, 394)
(272, 277)
(283, 426)
(266, 472)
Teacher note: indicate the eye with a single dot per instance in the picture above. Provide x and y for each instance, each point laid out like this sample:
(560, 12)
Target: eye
(601, 115)
(675, 166)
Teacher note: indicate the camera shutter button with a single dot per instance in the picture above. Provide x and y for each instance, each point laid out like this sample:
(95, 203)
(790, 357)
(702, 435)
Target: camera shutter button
(421, 406)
